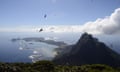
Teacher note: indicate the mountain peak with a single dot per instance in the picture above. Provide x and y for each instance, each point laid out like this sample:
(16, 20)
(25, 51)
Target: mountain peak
(88, 50)
(86, 41)
(86, 36)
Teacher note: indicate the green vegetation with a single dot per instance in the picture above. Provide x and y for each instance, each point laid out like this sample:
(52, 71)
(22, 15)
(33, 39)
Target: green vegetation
(48, 66)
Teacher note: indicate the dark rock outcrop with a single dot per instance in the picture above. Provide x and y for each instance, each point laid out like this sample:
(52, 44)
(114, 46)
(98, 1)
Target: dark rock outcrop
(88, 50)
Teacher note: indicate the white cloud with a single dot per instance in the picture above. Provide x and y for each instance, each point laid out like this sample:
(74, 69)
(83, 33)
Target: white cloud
(18, 29)
(62, 28)
(108, 25)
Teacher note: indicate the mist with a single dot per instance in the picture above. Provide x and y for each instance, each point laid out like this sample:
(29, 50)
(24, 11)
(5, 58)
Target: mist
(42, 50)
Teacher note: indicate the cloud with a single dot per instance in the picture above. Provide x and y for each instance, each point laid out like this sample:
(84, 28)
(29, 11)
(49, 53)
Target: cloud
(18, 29)
(61, 28)
(107, 25)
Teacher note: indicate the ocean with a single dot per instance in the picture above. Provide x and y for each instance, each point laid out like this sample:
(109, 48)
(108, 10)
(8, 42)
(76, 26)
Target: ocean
(22, 51)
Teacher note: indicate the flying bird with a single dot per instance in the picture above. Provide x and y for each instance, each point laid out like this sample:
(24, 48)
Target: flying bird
(45, 15)
(41, 30)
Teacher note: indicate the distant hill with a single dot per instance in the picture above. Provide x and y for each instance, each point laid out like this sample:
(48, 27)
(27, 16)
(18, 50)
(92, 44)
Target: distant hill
(89, 50)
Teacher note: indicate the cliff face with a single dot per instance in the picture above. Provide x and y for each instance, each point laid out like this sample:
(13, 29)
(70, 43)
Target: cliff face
(88, 50)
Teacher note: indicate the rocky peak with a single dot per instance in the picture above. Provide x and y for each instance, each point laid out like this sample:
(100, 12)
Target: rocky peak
(88, 50)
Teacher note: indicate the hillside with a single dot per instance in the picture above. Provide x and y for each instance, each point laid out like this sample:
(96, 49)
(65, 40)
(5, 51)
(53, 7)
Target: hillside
(47, 66)
(89, 50)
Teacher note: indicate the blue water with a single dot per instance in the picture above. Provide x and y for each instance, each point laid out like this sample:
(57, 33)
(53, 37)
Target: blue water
(10, 52)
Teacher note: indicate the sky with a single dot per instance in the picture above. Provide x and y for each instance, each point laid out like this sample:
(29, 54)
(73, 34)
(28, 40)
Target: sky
(30, 13)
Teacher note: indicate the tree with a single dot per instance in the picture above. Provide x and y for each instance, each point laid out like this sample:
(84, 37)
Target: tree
(43, 66)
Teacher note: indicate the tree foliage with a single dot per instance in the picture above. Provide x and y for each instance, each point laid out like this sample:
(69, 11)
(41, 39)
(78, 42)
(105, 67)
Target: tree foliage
(48, 66)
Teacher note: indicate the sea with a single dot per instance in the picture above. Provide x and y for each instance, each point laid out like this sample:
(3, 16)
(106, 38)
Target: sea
(22, 51)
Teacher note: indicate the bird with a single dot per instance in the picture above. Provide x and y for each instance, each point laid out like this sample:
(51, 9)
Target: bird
(45, 15)
(41, 30)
